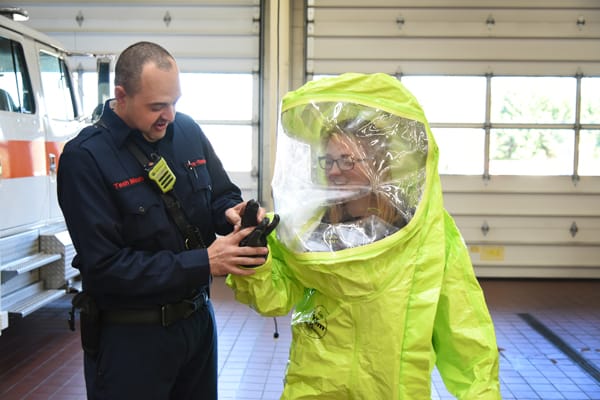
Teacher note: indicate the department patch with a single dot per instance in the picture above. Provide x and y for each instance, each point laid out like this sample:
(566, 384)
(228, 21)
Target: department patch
(316, 325)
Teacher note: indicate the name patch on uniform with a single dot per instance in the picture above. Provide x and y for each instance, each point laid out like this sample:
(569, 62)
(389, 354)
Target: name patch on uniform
(128, 182)
(196, 163)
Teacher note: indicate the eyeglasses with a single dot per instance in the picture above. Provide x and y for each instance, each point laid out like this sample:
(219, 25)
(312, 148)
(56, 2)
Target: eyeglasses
(344, 163)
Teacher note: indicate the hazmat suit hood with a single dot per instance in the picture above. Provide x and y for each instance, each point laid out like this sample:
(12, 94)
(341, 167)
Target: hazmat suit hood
(391, 145)
(399, 156)
(375, 270)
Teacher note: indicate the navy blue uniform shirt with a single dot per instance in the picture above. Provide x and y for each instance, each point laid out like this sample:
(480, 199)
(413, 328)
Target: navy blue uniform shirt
(129, 251)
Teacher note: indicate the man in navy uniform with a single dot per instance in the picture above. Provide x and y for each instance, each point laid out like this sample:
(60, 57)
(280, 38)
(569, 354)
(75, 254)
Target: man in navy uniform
(144, 196)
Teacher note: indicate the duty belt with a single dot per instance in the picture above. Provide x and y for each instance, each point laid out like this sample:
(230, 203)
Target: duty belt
(164, 315)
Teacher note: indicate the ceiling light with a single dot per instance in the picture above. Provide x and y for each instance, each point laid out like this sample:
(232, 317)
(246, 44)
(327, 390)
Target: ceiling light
(14, 13)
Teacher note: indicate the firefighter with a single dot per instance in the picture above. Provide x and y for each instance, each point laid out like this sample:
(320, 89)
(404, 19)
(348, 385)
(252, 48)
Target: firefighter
(144, 195)
(374, 268)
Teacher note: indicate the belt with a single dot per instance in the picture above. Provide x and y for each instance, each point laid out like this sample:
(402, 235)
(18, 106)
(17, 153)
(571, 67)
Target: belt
(164, 315)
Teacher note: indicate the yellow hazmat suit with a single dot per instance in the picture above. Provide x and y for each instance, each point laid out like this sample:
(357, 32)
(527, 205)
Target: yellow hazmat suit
(375, 305)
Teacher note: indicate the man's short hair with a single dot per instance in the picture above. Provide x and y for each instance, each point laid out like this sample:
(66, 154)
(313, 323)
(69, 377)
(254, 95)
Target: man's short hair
(131, 61)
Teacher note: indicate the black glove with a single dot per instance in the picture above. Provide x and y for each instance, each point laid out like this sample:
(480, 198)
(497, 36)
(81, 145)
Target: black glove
(258, 237)
(250, 214)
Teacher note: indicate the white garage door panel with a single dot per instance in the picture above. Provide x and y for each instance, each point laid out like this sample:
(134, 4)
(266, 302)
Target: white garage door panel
(527, 256)
(389, 28)
(181, 45)
(523, 204)
(147, 18)
(198, 54)
(186, 64)
(524, 4)
(521, 184)
(536, 271)
(204, 37)
(450, 22)
(533, 230)
(176, 26)
(457, 49)
(527, 37)
(449, 67)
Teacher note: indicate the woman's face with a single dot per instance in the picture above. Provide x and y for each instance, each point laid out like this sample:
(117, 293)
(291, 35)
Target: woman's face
(345, 162)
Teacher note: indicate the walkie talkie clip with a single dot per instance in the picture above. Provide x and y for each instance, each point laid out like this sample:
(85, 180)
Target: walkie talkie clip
(160, 173)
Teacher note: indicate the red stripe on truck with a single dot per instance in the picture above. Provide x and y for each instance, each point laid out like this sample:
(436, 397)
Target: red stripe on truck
(26, 158)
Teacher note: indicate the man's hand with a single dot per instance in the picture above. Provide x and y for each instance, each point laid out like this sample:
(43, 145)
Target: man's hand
(234, 214)
(225, 255)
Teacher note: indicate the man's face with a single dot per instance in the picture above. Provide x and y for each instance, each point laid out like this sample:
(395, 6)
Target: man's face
(152, 108)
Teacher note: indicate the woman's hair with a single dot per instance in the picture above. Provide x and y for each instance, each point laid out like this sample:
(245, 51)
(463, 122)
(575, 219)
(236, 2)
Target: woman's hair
(373, 145)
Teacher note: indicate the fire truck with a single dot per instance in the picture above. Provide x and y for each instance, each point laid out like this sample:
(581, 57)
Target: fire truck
(39, 112)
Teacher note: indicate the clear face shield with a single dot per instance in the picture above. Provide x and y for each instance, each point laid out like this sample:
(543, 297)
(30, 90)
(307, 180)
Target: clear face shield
(346, 175)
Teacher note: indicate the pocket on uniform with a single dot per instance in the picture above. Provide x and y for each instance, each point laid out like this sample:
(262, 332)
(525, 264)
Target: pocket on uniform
(197, 201)
(144, 218)
(198, 176)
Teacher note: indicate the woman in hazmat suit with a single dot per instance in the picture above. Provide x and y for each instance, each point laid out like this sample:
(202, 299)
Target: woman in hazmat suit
(375, 270)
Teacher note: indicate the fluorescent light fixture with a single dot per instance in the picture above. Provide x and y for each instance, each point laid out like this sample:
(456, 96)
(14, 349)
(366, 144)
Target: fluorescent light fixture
(14, 13)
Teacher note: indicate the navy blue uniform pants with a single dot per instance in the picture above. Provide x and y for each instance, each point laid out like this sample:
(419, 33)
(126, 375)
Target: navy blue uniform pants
(152, 362)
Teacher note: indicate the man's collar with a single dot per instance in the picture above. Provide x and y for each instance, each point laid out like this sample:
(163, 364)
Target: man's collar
(119, 130)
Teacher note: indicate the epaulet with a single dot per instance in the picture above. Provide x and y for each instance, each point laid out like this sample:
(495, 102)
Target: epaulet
(88, 132)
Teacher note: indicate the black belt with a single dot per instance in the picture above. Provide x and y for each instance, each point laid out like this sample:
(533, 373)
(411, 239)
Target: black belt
(163, 315)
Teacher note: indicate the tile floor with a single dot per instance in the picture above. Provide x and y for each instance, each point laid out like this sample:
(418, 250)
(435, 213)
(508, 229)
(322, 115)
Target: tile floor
(548, 334)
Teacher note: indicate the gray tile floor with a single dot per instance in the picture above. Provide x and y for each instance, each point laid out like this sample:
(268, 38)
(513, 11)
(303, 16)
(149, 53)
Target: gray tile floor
(41, 359)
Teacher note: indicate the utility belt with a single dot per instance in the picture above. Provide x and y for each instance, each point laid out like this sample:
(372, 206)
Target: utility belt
(92, 318)
(164, 315)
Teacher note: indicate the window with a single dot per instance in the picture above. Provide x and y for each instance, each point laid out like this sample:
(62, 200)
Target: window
(449, 99)
(214, 97)
(589, 152)
(464, 159)
(533, 100)
(233, 145)
(532, 123)
(531, 152)
(58, 88)
(88, 84)
(223, 105)
(589, 139)
(529, 120)
(590, 101)
(15, 84)
(452, 106)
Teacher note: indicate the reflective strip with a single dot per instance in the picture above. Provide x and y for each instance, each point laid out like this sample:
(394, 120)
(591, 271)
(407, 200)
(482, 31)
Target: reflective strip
(25, 158)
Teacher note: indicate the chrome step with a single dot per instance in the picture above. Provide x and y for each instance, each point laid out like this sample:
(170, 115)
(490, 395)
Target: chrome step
(27, 263)
(28, 299)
